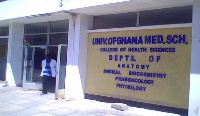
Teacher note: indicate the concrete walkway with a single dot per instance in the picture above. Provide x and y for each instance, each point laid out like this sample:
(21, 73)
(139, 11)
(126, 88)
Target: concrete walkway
(14, 101)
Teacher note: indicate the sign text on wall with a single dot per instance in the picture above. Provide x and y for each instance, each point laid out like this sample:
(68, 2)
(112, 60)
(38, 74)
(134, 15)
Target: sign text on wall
(147, 65)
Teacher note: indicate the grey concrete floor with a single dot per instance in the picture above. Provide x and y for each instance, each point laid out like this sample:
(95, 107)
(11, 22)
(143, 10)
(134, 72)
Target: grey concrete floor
(14, 101)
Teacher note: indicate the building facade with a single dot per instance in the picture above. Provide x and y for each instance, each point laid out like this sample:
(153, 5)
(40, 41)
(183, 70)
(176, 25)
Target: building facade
(137, 50)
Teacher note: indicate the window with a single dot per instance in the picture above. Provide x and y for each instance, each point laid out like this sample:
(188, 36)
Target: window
(58, 32)
(47, 33)
(4, 31)
(56, 39)
(36, 28)
(37, 39)
(175, 15)
(59, 26)
(115, 20)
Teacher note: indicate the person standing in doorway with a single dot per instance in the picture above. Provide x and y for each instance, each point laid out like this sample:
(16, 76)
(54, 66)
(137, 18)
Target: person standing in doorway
(48, 71)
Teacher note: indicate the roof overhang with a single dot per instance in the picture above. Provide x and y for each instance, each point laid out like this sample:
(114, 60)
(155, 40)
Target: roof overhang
(131, 6)
(112, 8)
(37, 18)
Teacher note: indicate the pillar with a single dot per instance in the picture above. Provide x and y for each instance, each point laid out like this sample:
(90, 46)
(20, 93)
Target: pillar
(194, 99)
(77, 56)
(14, 57)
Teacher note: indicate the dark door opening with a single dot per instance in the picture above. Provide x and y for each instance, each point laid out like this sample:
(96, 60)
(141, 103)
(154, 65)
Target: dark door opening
(3, 57)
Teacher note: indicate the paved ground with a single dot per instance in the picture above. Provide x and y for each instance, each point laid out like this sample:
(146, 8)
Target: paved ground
(14, 101)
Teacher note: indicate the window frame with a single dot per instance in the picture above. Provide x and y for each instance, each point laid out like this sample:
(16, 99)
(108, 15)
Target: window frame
(138, 21)
(48, 33)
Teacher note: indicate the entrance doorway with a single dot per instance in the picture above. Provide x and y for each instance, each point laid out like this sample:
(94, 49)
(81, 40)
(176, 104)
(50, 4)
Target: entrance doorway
(32, 66)
(40, 39)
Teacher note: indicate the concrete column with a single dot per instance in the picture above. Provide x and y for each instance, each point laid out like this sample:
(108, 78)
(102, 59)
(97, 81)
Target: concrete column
(77, 56)
(14, 57)
(194, 99)
(86, 24)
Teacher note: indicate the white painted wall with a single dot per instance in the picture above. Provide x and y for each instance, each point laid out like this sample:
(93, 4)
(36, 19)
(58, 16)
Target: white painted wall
(13, 9)
(86, 24)
(194, 100)
(14, 57)
(77, 56)
(74, 4)
(72, 81)
(20, 8)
